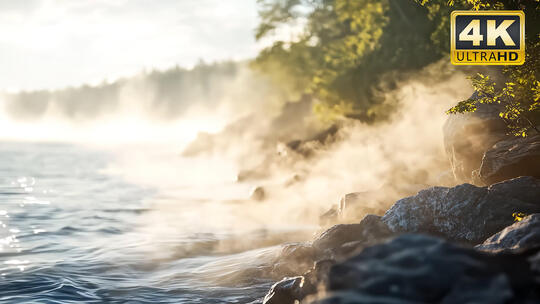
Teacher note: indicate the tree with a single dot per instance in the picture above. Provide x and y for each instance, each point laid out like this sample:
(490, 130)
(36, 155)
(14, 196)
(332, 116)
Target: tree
(518, 97)
(345, 48)
(350, 50)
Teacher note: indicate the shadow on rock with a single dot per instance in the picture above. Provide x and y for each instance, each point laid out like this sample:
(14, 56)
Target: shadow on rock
(424, 269)
(520, 236)
(511, 158)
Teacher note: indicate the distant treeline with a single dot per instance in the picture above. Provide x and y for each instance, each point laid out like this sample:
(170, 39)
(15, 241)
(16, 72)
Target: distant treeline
(162, 94)
(344, 54)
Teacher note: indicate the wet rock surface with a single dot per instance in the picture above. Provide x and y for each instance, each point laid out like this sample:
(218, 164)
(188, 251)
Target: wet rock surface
(522, 235)
(335, 243)
(314, 260)
(285, 291)
(511, 158)
(356, 263)
(424, 269)
(465, 213)
(421, 249)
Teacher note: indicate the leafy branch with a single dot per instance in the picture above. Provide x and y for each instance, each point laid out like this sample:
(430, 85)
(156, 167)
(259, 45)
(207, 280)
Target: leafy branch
(519, 97)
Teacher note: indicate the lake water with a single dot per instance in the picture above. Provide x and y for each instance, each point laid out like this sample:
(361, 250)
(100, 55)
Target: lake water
(74, 230)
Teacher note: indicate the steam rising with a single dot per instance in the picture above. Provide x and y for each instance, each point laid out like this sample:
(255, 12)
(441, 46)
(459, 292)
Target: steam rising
(391, 158)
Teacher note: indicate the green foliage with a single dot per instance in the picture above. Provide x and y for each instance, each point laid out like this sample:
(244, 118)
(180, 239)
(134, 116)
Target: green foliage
(348, 51)
(344, 49)
(165, 94)
(439, 14)
(518, 98)
(518, 216)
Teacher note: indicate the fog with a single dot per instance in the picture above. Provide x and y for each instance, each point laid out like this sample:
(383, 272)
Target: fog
(152, 119)
(173, 105)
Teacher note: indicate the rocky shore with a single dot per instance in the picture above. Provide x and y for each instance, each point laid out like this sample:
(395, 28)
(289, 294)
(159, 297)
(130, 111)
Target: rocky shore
(477, 242)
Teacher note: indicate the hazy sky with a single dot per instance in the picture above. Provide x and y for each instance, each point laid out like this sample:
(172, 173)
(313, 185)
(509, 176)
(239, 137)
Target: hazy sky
(56, 43)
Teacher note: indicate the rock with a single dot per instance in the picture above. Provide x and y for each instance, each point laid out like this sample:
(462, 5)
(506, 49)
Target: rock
(522, 235)
(468, 136)
(511, 158)
(286, 291)
(465, 213)
(338, 242)
(423, 269)
(369, 231)
(257, 194)
(290, 289)
(319, 273)
(356, 205)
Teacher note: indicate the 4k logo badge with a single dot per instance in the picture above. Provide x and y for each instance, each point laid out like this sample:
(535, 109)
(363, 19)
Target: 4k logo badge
(487, 37)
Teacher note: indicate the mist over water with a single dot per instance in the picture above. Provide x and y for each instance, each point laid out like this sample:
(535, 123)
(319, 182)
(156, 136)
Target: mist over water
(73, 234)
(98, 203)
(157, 106)
(103, 208)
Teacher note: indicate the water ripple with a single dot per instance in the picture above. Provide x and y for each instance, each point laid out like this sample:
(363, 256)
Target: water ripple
(70, 234)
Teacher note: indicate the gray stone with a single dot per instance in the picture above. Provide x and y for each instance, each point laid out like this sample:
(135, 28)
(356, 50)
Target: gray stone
(511, 158)
(465, 212)
(369, 231)
(522, 235)
(422, 269)
(286, 291)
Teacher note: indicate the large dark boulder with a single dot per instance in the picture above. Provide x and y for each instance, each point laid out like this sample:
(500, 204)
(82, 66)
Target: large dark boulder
(522, 235)
(468, 136)
(465, 213)
(423, 269)
(285, 291)
(291, 289)
(342, 239)
(511, 158)
(313, 260)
